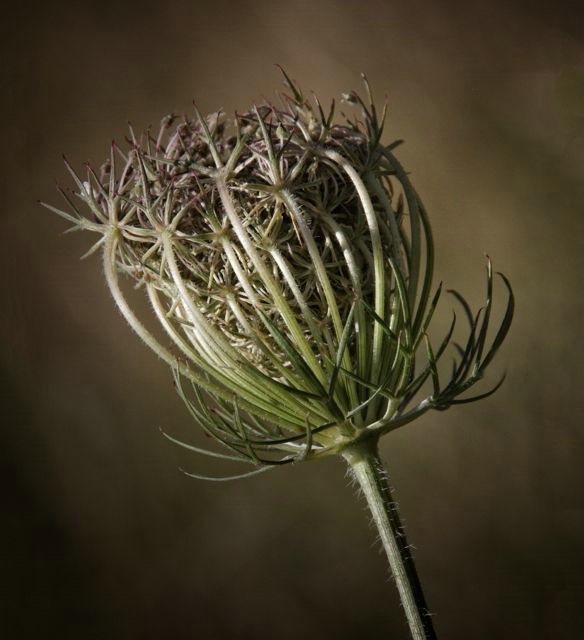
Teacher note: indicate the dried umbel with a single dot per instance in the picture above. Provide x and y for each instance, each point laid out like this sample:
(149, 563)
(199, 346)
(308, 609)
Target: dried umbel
(289, 261)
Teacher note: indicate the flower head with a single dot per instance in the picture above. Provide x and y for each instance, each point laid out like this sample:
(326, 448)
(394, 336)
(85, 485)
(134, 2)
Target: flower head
(289, 261)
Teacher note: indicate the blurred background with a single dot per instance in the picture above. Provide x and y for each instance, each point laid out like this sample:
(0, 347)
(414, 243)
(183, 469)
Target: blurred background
(102, 536)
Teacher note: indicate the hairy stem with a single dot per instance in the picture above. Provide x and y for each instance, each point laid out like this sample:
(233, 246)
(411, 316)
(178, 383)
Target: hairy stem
(366, 467)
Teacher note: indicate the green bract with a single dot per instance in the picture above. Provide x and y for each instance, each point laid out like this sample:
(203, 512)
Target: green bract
(289, 261)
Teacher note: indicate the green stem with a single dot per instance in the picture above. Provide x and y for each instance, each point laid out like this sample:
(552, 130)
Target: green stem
(367, 468)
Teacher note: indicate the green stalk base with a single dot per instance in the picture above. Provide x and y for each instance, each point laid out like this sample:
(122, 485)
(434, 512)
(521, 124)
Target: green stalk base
(367, 468)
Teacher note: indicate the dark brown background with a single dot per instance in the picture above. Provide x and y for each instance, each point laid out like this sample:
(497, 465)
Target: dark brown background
(102, 536)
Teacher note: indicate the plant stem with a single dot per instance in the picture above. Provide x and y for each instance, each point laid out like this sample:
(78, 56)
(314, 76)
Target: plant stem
(367, 468)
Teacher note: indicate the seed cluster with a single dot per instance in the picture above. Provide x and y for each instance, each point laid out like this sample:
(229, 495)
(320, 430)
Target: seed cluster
(163, 183)
(289, 261)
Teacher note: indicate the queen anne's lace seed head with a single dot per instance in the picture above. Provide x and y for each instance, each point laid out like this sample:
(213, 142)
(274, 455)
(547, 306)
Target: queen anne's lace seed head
(289, 261)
